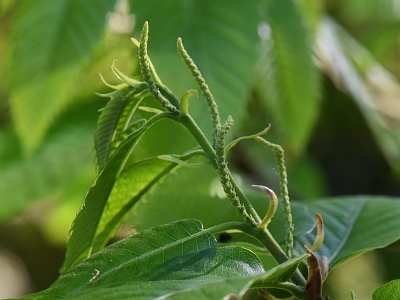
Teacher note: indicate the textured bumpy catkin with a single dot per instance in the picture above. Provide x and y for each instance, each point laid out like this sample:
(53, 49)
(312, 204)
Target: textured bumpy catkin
(280, 161)
(203, 87)
(225, 174)
(145, 70)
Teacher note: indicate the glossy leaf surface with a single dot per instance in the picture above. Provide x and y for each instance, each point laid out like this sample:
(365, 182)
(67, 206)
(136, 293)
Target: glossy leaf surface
(174, 261)
(174, 252)
(353, 225)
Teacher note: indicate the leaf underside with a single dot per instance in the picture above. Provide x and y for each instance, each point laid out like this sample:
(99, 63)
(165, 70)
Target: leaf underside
(107, 123)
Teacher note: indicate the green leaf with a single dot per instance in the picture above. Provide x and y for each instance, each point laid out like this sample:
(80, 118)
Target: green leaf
(85, 226)
(131, 186)
(201, 197)
(196, 277)
(220, 36)
(133, 183)
(353, 295)
(312, 12)
(288, 81)
(179, 260)
(172, 258)
(283, 272)
(388, 291)
(50, 41)
(373, 88)
(353, 225)
(177, 159)
(64, 160)
(114, 119)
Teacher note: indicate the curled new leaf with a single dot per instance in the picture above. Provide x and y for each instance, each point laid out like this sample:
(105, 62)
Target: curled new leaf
(272, 207)
(132, 82)
(320, 233)
(184, 104)
(314, 279)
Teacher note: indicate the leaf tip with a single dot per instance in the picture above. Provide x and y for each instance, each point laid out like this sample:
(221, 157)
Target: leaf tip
(272, 207)
(136, 42)
(319, 239)
(145, 28)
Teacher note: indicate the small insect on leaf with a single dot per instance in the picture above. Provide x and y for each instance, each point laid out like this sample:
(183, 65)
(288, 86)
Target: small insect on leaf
(95, 273)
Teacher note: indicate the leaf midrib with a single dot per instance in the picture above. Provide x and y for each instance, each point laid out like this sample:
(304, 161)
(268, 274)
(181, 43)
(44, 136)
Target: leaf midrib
(149, 253)
(349, 229)
(133, 200)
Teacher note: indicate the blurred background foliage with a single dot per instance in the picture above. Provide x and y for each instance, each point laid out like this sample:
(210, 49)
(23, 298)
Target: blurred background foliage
(325, 74)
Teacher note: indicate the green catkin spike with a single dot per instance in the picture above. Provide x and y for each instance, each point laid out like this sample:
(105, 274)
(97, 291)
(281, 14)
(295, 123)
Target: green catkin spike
(280, 161)
(144, 63)
(225, 174)
(203, 87)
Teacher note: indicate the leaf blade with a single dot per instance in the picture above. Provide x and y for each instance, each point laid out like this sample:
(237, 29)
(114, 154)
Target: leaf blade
(388, 291)
(287, 78)
(179, 260)
(373, 88)
(84, 227)
(43, 70)
(353, 225)
(131, 186)
(150, 254)
(121, 101)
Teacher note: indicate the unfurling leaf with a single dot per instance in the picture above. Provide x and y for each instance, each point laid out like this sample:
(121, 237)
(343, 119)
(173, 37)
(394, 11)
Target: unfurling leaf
(314, 279)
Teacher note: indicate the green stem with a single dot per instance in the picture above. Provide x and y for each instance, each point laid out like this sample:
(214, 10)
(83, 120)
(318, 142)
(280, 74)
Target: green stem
(187, 121)
(264, 236)
(280, 161)
(196, 132)
(298, 292)
(154, 119)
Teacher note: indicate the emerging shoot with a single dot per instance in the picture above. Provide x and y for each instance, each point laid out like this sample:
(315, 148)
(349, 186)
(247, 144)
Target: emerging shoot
(273, 205)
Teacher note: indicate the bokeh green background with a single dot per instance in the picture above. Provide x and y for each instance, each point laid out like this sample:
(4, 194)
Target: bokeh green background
(325, 74)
